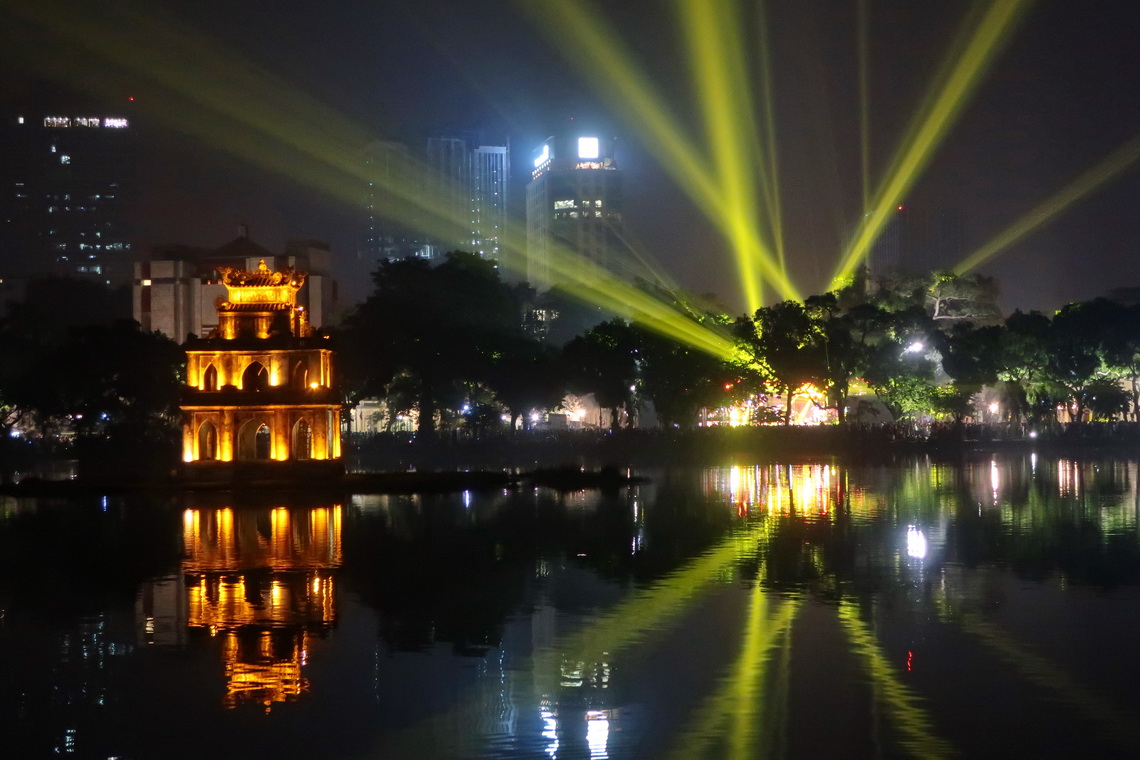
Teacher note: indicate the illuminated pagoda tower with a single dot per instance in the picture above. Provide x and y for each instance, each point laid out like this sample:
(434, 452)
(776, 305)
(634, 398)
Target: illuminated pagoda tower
(260, 387)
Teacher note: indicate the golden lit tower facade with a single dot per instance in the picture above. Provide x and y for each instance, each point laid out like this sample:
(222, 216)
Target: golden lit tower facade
(260, 387)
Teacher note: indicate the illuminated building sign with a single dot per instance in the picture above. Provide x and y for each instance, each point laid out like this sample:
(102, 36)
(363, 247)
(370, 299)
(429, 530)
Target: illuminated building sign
(83, 121)
(589, 165)
(588, 147)
(542, 157)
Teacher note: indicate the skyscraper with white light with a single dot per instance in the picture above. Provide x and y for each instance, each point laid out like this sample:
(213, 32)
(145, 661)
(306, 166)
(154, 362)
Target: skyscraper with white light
(573, 206)
(66, 183)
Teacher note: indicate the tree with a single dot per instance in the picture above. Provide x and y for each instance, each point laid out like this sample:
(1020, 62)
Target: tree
(679, 379)
(1022, 361)
(1105, 399)
(432, 329)
(117, 381)
(842, 337)
(784, 347)
(946, 297)
(606, 361)
(896, 358)
(953, 297)
(1074, 351)
(1121, 349)
(71, 357)
(527, 375)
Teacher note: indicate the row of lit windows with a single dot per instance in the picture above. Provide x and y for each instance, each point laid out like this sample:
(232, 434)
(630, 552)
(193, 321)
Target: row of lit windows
(561, 204)
(94, 246)
(67, 197)
(583, 215)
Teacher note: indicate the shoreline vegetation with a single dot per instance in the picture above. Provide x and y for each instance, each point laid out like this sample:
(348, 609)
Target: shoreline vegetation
(574, 460)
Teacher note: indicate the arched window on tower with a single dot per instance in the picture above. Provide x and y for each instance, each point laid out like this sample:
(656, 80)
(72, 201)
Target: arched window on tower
(301, 376)
(302, 441)
(254, 441)
(255, 377)
(263, 445)
(208, 440)
(210, 378)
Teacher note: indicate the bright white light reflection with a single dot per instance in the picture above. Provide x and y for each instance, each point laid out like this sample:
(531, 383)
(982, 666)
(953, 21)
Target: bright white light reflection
(915, 543)
(467, 500)
(550, 730)
(995, 479)
(597, 734)
(915, 347)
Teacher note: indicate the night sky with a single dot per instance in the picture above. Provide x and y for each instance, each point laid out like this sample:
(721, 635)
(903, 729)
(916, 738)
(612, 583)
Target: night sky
(1060, 96)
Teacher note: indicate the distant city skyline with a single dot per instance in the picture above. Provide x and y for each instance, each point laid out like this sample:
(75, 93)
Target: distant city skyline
(1055, 101)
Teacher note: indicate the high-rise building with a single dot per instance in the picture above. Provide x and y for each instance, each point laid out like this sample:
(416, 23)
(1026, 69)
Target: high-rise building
(490, 182)
(917, 241)
(573, 204)
(390, 226)
(454, 198)
(66, 182)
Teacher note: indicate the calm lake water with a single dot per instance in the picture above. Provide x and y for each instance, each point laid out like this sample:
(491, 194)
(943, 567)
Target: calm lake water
(988, 609)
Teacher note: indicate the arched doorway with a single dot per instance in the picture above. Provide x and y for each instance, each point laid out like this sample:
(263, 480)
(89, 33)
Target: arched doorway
(210, 378)
(302, 440)
(301, 375)
(207, 442)
(262, 443)
(255, 441)
(255, 377)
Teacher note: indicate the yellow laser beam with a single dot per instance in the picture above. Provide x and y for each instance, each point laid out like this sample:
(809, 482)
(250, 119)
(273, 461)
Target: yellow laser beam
(648, 611)
(767, 158)
(229, 104)
(721, 96)
(864, 106)
(628, 624)
(902, 705)
(1088, 181)
(961, 81)
(572, 27)
(1046, 674)
(591, 283)
(740, 696)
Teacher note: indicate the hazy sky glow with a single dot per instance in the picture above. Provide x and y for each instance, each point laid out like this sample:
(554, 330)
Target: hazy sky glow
(1057, 99)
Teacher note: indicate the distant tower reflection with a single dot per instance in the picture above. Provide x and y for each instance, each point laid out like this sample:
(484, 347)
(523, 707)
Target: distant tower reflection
(263, 580)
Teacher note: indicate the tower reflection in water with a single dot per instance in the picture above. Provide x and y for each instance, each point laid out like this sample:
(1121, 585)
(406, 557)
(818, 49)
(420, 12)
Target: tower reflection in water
(264, 581)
